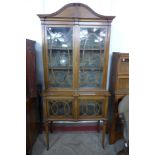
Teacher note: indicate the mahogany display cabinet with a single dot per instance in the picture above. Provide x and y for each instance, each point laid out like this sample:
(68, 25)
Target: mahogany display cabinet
(75, 42)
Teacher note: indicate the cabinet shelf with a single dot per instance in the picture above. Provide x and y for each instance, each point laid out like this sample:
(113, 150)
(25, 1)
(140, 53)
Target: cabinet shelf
(91, 68)
(64, 49)
(70, 68)
(92, 49)
(60, 68)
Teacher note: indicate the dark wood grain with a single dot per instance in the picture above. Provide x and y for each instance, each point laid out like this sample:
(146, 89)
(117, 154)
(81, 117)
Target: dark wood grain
(31, 89)
(32, 102)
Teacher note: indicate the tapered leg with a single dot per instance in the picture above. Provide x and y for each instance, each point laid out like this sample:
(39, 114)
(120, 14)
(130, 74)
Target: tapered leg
(104, 133)
(47, 134)
(51, 126)
(98, 126)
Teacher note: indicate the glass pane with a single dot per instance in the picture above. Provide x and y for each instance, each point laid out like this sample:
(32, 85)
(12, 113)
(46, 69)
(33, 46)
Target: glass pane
(59, 108)
(59, 40)
(90, 107)
(92, 41)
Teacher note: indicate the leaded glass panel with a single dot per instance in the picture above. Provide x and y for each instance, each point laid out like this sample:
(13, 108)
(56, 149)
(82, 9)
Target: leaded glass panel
(92, 42)
(90, 108)
(60, 51)
(60, 108)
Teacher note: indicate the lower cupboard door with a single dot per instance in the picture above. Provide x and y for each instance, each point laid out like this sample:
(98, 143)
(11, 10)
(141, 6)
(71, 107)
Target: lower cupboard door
(60, 108)
(91, 108)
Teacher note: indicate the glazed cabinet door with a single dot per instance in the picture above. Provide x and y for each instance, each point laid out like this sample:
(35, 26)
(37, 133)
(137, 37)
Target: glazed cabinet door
(75, 56)
(69, 108)
(59, 41)
(92, 107)
(59, 108)
(92, 56)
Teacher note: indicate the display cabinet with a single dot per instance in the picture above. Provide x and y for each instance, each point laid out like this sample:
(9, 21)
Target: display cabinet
(75, 56)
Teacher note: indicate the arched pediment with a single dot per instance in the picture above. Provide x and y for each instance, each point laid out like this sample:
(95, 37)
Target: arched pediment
(76, 10)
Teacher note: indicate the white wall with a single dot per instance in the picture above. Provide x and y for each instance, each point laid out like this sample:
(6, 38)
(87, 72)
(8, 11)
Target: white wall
(120, 33)
(133, 31)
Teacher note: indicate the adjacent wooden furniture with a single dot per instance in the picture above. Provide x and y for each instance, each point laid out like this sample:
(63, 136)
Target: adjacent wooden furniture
(31, 85)
(32, 108)
(118, 87)
(75, 56)
(32, 123)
